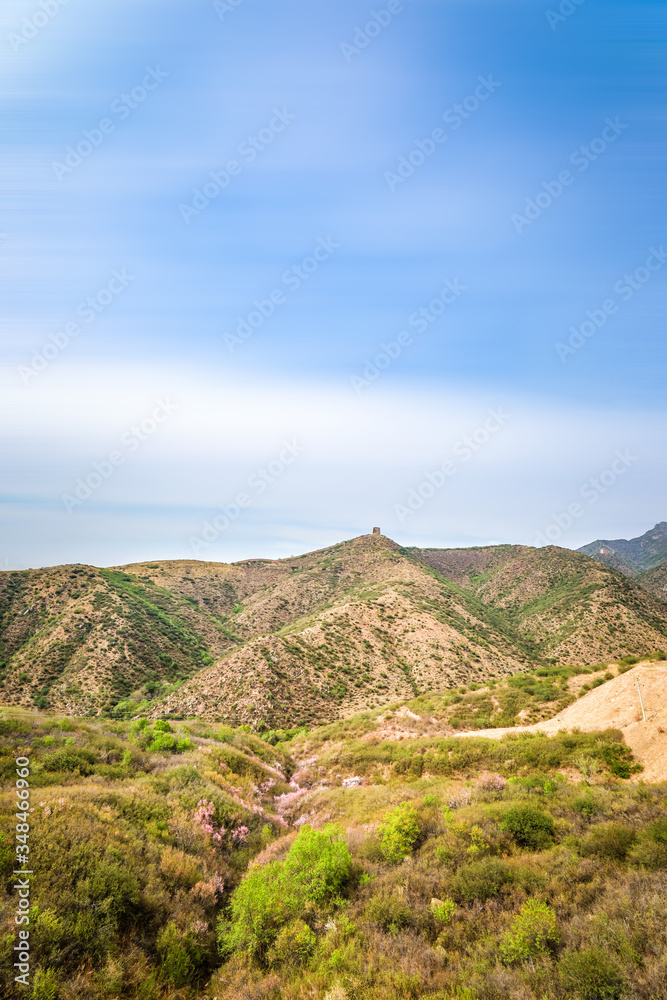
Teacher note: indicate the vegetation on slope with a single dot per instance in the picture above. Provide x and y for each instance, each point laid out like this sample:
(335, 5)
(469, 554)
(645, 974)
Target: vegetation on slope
(191, 861)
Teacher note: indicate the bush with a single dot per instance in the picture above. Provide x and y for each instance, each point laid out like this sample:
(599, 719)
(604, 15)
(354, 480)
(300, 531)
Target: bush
(399, 833)
(388, 912)
(481, 879)
(180, 957)
(316, 870)
(584, 804)
(294, 945)
(531, 932)
(591, 975)
(529, 826)
(443, 910)
(163, 741)
(610, 840)
(45, 985)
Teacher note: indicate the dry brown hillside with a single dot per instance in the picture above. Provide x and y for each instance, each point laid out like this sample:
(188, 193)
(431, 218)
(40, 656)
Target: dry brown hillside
(310, 638)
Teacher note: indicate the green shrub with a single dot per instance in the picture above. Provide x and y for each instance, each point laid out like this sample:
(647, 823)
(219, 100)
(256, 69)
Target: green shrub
(443, 910)
(591, 975)
(529, 826)
(610, 840)
(482, 879)
(658, 831)
(319, 863)
(532, 930)
(388, 912)
(163, 741)
(45, 985)
(584, 804)
(179, 955)
(316, 870)
(294, 945)
(399, 833)
(162, 726)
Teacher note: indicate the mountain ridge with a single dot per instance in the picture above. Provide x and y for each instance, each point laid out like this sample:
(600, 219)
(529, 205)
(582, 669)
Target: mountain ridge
(312, 637)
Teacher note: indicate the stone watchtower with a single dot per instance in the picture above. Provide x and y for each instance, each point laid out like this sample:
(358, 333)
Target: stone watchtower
(376, 531)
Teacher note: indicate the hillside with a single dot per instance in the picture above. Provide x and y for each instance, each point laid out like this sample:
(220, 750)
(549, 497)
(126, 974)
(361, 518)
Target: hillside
(381, 857)
(634, 555)
(311, 638)
(655, 581)
(566, 605)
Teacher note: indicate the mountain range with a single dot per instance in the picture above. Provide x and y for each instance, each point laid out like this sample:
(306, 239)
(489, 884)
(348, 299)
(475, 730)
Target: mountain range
(306, 640)
(643, 558)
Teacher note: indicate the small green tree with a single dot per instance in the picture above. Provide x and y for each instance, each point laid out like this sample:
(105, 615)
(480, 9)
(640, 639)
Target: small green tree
(399, 833)
(532, 930)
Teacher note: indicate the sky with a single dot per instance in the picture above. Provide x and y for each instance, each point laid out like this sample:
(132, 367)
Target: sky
(278, 271)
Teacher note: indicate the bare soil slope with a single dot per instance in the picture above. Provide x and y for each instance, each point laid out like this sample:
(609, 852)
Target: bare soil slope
(616, 705)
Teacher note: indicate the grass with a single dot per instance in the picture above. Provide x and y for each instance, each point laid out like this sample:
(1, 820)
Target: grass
(467, 869)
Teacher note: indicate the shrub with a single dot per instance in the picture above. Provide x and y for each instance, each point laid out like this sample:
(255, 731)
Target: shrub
(179, 955)
(529, 826)
(319, 863)
(163, 741)
(584, 804)
(481, 879)
(45, 985)
(388, 912)
(399, 833)
(532, 930)
(294, 945)
(443, 910)
(316, 870)
(591, 975)
(610, 840)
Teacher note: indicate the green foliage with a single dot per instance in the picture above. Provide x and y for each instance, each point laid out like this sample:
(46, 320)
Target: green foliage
(399, 833)
(532, 930)
(585, 805)
(45, 985)
(388, 912)
(610, 840)
(481, 880)
(316, 870)
(591, 975)
(294, 945)
(529, 826)
(180, 956)
(443, 910)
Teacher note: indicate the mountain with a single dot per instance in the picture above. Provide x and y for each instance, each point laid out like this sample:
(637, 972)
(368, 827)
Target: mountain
(311, 638)
(631, 556)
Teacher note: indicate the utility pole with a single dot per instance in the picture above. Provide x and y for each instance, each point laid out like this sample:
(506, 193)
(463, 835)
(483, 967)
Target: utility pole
(641, 702)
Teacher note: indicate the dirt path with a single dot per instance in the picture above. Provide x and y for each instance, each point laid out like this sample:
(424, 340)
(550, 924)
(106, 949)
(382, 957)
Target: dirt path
(615, 705)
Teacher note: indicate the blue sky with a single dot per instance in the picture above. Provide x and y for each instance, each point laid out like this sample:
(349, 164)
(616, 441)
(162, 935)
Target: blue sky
(541, 202)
